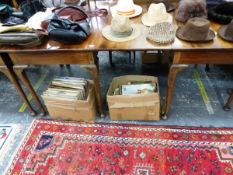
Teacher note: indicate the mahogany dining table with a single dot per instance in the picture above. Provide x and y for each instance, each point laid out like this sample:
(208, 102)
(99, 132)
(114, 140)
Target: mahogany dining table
(85, 54)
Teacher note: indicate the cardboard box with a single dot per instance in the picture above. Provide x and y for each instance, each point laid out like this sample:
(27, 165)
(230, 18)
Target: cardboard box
(80, 110)
(133, 107)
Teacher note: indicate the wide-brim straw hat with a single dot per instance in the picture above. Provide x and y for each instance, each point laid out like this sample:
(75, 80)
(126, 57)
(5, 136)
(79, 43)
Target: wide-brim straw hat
(191, 28)
(224, 32)
(107, 33)
(121, 29)
(156, 11)
(137, 11)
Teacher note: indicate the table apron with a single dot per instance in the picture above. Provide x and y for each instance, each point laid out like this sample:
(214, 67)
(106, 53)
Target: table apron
(40, 58)
(203, 57)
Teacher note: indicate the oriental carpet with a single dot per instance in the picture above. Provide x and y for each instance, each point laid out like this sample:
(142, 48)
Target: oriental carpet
(72, 148)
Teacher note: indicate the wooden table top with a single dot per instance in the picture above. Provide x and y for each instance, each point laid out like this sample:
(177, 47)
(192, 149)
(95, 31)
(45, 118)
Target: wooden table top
(96, 42)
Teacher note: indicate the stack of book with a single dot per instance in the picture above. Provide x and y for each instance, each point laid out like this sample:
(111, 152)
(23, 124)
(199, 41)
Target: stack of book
(136, 88)
(68, 88)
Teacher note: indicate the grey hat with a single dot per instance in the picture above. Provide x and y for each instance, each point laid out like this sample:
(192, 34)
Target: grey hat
(226, 32)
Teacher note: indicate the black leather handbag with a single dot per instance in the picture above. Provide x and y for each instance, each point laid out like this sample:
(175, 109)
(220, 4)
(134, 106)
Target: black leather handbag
(69, 31)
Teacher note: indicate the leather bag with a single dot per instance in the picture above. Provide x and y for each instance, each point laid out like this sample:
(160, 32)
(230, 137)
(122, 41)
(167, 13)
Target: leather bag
(25, 39)
(73, 30)
(20, 35)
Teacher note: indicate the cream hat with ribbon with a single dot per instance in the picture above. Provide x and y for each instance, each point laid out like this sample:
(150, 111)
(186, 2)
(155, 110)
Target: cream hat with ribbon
(156, 14)
(121, 30)
(126, 8)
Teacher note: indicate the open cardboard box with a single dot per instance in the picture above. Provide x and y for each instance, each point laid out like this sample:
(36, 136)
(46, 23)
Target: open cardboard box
(133, 107)
(80, 110)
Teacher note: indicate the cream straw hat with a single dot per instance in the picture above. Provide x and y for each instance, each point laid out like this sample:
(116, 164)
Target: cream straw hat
(156, 14)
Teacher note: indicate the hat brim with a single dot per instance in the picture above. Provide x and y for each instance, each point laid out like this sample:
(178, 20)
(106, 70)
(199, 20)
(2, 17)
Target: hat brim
(179, 31)
(145, 20)
(106, 32)
(138, 11)
(221, 32)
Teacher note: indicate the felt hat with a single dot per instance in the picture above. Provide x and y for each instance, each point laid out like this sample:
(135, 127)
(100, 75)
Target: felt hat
(126, 8)
(222, 13)
(121, 30)
(156, 14)
(190, 8)
(161, 33)
(226, 32)
(169, 6)
(196, 30)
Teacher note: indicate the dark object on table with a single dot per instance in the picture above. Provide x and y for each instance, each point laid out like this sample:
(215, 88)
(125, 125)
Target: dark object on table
(222, 14)
(8, 17)
(30, 7)
(213, 3)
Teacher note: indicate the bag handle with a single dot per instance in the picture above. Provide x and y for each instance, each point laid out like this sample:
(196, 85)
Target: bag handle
(72, 7)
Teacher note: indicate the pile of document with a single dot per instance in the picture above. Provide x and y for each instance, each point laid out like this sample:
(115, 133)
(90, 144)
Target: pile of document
(136, 88)
(68, 87)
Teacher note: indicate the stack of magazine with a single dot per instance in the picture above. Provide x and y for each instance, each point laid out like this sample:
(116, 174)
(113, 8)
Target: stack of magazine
(136, 88)
(68, 88)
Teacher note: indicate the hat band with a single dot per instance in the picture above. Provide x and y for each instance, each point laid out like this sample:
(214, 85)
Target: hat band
(121, 34)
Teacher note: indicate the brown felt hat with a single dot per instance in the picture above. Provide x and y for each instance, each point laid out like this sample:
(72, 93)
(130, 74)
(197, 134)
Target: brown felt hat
(226, 32)
(196, 30)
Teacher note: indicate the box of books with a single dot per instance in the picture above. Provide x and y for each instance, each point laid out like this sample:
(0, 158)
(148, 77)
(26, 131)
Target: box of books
(71, 98)
(134, 97)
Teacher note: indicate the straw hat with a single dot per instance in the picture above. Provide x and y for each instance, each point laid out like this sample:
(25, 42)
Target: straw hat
(126, 8)
(156, 14)
(121, 30)
(161, 33)
(196, 30)
(226, 31)
(169, 6)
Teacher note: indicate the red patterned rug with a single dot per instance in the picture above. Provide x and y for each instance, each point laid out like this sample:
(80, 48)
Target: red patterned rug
(70, 148)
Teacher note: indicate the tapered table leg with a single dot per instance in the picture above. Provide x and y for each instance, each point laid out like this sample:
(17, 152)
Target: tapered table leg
(20, 72)
(12, 77)
(173, 71)
(110, 59)
(229, 101)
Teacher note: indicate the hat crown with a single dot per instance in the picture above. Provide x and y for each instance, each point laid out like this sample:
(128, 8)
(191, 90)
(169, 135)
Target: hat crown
(125, 5)
(157, 12)
(121, 24)
(196, 28)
